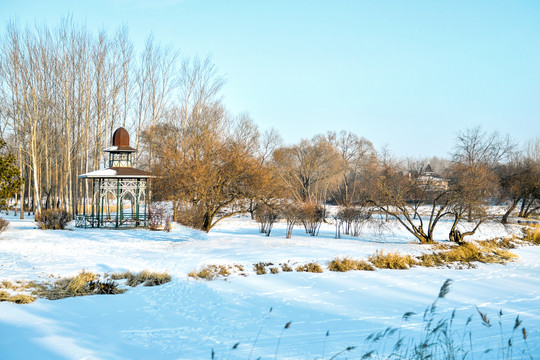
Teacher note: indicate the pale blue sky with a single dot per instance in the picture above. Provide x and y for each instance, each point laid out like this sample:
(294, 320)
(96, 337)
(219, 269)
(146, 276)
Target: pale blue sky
(409, 74)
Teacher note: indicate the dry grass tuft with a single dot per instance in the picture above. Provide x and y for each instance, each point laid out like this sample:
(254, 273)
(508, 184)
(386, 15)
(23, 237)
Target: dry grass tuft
(490, 251)
(122, 276)
(310, 267)
(68, 287)
(211, 272)
(431, 260)
(274, 270)
(348, 264)
(85, 283)
(3, 225)
(286, 267)
(7, 285)
(260, 268)
(464, 253)
(392, 261)
(145, 277)
(532, 235)
(17, 299)
(502, 243)
(148, 278)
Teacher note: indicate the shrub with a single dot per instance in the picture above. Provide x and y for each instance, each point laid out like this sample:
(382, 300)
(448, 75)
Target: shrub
(266, 216)
(348, 264)
(191, 215)
(352, 218)
(158, 218)
(3, 225)
(311, 215)
(274, 270)
(53, 219)
(290, 212)
(310, 267)
(392, 261)
(167, 227)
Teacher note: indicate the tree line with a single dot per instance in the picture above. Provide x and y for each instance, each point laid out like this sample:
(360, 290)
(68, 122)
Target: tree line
(64, 90)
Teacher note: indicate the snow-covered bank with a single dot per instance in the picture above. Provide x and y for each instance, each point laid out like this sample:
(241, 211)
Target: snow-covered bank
(185, 319)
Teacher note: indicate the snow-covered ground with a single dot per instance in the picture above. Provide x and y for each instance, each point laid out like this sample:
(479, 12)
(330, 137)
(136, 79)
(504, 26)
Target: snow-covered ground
(187, 318)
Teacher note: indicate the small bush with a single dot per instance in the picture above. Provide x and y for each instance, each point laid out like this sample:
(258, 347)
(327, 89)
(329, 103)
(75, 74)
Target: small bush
(191, 215)
(274, 270)
(3, 225)
(392, 261)
(266, 216)
(347, 264)
(157, 217)
(53, 219)
(352, 219)
(310, 267)
(311, 215)
(167, 227)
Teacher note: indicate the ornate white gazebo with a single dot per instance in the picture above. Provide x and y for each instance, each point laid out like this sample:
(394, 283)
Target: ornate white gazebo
(119, 192)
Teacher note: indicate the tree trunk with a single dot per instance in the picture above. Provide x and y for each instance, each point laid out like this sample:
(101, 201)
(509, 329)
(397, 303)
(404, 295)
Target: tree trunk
(504, 219)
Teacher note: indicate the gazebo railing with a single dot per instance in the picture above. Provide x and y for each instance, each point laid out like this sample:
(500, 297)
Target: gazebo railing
(94, 221)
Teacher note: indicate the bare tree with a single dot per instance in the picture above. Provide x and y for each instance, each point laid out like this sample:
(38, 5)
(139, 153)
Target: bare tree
(398, 195)
(309, 168)
(357, 155)
(156, 81)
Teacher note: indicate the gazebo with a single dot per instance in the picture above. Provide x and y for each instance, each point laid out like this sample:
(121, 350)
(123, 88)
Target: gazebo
(119, 192)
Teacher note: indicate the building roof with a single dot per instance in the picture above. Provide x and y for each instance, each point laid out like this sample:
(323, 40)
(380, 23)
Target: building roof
(117, 172)
(119, 149)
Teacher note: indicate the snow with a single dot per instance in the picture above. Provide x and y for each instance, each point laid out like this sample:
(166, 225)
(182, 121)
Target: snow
(99, 173)
(187, 318)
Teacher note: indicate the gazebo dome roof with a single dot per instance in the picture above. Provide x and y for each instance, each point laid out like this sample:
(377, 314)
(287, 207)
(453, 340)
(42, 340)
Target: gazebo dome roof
(120, 137)
(120, 142)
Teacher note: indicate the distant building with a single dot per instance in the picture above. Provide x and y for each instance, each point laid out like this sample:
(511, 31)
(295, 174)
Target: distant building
(432, 181)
